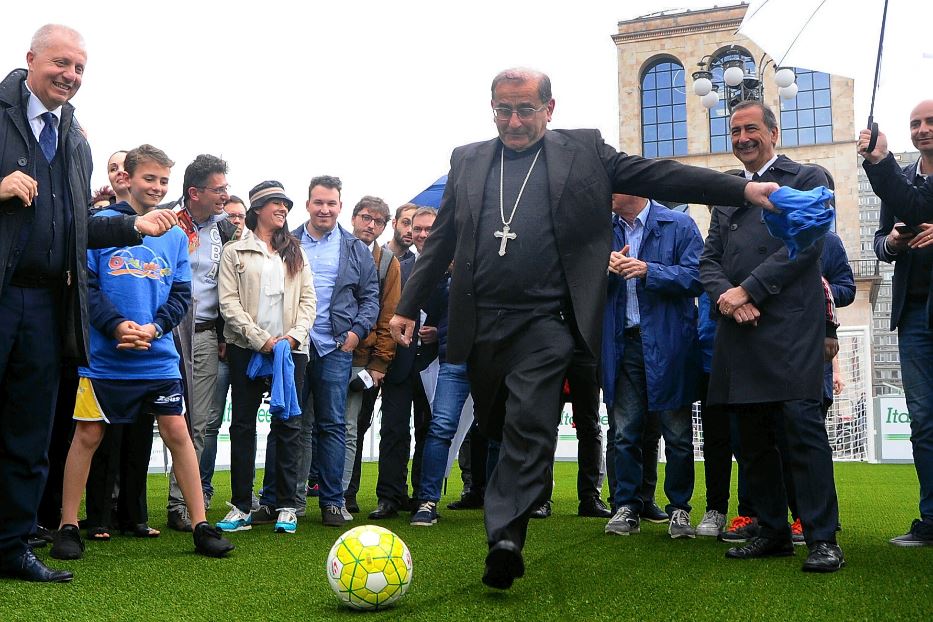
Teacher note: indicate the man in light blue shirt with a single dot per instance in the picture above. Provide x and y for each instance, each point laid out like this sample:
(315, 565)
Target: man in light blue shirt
(347, 289)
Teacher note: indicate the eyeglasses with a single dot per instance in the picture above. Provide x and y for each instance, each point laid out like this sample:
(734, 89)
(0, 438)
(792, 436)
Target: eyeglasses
(217, 190)
(366, 218)
(504, 113)
(236, 216)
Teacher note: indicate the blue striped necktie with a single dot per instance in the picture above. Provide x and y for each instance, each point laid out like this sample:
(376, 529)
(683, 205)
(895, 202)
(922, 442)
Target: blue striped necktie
(47, 140)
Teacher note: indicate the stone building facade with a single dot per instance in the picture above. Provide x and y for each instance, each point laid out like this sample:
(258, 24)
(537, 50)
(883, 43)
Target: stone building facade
(687, 37)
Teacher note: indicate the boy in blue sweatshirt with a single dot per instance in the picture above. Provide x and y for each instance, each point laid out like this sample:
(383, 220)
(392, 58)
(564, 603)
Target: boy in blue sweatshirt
(136, 294)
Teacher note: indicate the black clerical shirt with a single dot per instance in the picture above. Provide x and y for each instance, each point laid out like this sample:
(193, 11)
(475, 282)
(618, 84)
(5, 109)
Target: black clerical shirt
(529, 275)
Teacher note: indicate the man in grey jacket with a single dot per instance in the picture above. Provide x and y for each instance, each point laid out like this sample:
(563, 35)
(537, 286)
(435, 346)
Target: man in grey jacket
(201, 215)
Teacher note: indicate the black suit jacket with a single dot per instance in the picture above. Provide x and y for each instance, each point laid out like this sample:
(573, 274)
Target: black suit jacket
(583, 172)
(782, 357)
(902, 261)
(911, 204)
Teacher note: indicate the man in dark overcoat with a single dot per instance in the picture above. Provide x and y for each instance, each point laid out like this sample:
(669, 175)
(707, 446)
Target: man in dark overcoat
(45, 173)
(768, 355)
(525, 217)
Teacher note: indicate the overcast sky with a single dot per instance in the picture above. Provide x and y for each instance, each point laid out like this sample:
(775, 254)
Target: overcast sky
(377, 93)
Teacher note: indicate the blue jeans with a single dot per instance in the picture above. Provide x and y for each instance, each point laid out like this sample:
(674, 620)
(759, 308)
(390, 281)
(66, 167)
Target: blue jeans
(630, 412)
(327, 378)
(209, 453)
(915, 344)
(452, 390)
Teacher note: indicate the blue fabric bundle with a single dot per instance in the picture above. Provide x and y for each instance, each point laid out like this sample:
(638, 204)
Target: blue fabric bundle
(804, 219)
(284, 395)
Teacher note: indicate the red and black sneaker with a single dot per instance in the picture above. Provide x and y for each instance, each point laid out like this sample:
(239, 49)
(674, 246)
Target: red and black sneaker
(741, 529)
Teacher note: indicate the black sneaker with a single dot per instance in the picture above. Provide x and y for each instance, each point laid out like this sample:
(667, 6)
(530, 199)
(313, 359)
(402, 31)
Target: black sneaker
(178, 519)
(209, 542)
(920, 534)
(426, 516)
(594, 508)
(543, 511)
(741, 529)
(652, 513)
(67, 544)
(264, 515)
(331, 516)
(468, 501)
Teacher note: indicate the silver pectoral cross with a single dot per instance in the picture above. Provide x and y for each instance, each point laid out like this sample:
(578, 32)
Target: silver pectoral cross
(505, 235)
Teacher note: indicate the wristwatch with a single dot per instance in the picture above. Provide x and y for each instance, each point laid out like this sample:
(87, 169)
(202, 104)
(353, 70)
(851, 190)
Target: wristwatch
(138, 232)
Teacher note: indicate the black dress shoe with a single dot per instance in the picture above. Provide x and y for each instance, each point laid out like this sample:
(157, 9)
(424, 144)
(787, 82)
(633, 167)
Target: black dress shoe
(28, 568)
(45, 534)
(594, 508)
(383, 510)
(504, 564)
(652, 513)
(824, 557)
(467, 501)
(542, 512)
(35, 542)
(762, 547)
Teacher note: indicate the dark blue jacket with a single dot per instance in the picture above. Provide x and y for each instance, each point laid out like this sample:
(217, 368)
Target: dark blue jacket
(354, 303)
(671, 246)
(835, 268)
(706, 331)
(436, 313)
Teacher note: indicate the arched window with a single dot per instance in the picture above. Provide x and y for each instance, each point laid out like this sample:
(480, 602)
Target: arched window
(663, 110)
(808, 118)
(719, 141)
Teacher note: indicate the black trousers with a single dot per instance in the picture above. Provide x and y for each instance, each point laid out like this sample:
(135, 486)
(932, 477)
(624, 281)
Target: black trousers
(516, 369)
(50, 508)
(582, 376)
(121, 465)
(809, 464)
(398, 399)
(246, 396)
(30, 360)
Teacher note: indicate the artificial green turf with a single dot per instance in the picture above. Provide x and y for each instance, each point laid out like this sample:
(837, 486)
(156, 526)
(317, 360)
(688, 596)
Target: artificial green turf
(573, 570)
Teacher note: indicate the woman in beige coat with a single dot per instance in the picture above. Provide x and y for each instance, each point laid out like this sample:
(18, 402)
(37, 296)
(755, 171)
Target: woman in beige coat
(266, 296)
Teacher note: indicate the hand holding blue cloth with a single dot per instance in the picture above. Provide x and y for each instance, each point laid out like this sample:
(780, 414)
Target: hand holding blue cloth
(283, 402)
(805, 217)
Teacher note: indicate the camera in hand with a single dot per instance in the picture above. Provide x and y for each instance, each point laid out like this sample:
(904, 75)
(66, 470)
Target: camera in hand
(362, 381)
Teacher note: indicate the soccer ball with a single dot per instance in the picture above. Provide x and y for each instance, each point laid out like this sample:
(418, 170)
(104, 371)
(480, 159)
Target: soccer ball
(369, 567)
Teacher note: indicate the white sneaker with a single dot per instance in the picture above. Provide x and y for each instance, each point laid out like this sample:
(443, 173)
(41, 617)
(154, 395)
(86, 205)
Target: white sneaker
(712, 524)
(235, 520)
(287, 522)
(345, 513)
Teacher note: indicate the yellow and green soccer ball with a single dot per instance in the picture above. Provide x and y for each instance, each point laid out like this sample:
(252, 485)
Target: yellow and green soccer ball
(369, 567)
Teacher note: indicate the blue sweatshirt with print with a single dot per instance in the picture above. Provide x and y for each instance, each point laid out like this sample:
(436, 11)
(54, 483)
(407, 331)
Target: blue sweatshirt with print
(146, 283)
